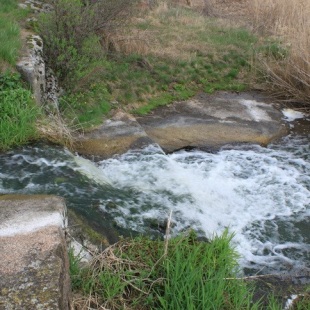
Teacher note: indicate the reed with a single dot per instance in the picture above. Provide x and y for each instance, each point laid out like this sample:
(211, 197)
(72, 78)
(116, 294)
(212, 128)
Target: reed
(288, 21)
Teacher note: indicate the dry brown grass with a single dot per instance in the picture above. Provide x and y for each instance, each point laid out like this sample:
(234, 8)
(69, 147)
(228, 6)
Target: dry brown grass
(169, 32)
(287, 20)
(54, 129)
(172, 30)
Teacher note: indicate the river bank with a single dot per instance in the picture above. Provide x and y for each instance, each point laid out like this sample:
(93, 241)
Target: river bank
(132, 192)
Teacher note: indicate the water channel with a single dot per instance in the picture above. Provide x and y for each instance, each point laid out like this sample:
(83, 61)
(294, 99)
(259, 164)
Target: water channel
(261, 194)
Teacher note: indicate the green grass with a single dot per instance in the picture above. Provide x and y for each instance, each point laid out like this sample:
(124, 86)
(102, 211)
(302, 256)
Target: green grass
(196, 275)
(18, 112)
(187, 53)
(136, 274)
(150, 82)
(86, 108)
(10, 15)
(140, 273)
(10, 43)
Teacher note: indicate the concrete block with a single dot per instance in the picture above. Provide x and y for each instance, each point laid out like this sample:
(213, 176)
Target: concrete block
(34, 261)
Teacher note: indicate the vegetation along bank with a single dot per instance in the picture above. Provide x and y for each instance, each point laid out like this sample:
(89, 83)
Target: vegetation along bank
(136, 56)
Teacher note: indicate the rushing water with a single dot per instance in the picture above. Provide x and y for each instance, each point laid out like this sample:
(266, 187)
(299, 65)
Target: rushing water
(260, 194)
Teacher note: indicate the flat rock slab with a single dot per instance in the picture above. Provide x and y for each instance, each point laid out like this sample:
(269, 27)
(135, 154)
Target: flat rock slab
(115, 136)
(34, 261)
(211, 121)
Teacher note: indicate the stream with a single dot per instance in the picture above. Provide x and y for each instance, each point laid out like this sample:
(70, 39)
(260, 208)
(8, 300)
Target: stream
(260, 194)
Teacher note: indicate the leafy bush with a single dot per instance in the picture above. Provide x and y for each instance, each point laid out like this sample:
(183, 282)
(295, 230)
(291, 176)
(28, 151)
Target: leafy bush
(77, 32)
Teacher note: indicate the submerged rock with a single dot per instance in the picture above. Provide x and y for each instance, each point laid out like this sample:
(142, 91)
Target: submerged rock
(288, 289)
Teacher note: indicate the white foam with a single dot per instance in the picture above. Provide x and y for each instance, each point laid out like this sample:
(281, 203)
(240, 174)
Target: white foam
(289, 302)
(291, 115)
(256, 110)
(258, 193)
(90, 169)
(241, 190)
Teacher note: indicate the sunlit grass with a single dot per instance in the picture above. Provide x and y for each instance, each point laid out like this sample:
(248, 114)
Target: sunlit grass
(169, 53)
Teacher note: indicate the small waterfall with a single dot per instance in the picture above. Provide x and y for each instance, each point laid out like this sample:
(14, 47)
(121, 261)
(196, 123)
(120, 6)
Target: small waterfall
(262, 195)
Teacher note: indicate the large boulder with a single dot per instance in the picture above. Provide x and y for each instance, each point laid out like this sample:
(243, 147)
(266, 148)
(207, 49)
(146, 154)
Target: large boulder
(211, 121)
(206, 122)
(115, 136)
(34, 260)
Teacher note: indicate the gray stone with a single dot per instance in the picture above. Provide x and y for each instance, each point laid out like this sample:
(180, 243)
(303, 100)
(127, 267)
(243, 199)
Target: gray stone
(32, 67)
(34, 261)
(115, 136)
(36, 6)
(211, 121)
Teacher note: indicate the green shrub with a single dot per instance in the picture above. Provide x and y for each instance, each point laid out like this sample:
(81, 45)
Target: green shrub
(77, 32)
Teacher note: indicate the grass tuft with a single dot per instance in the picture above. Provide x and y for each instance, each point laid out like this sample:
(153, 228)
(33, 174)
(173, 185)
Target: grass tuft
(141, 274)
(18, 112)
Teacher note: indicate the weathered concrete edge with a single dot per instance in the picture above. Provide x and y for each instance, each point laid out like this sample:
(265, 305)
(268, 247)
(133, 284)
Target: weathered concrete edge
(59, 257)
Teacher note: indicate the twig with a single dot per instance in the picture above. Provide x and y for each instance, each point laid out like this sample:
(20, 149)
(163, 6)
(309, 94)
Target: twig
(167, 233)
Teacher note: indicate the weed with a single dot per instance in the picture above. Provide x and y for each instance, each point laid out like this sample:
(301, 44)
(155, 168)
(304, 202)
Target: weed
(86, 108)
(10, 81)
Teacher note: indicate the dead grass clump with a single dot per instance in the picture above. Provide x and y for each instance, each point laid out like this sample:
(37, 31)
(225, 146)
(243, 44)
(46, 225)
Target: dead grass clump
(288, 21)
(54, 129)
(117, 278)
(170, 32)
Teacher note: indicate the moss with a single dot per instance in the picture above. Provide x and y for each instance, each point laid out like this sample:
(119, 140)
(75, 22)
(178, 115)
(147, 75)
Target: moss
(81, 227)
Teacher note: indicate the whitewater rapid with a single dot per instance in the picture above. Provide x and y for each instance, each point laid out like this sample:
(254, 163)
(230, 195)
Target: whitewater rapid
(262, 195)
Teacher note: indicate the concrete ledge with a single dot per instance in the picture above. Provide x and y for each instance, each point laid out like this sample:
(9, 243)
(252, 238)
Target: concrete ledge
(34, 261)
